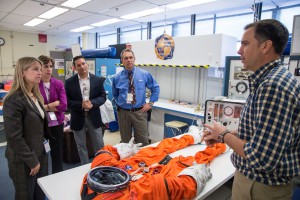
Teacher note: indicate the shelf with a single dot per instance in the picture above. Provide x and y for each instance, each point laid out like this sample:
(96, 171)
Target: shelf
(174, 66)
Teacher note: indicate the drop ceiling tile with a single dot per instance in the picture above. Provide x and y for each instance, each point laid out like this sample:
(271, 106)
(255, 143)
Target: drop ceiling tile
(31, 8)
(16, 19)
(134, 6)
(72, 15)
(8, 6)
(102, 5)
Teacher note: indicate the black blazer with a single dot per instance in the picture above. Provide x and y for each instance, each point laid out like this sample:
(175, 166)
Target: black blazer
(25, 130)
(74, 97)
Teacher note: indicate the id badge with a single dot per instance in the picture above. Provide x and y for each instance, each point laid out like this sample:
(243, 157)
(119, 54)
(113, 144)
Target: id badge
(52, 116)
(129, 98)
(47, 146)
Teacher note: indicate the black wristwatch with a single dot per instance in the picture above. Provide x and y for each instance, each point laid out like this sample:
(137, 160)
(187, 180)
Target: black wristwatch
(222, 135)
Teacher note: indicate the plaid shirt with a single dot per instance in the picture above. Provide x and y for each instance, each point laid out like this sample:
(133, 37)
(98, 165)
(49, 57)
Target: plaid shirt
(270, 126)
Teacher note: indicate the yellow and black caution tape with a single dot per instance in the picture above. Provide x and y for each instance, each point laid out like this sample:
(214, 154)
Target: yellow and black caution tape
(174, 66)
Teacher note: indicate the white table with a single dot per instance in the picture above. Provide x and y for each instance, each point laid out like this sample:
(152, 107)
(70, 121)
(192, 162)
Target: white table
(163, 108)
(190, 110)
(66, 185)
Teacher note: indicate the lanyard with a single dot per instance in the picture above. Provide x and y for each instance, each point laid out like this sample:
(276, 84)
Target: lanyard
(47, 91)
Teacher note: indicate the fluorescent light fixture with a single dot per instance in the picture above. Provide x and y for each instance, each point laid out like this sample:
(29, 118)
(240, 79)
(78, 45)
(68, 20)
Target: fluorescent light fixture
(53, 12)
(187, 3)
(143, 13)
(106, 22)
(74, 3)
(34, 22)
(82, 28)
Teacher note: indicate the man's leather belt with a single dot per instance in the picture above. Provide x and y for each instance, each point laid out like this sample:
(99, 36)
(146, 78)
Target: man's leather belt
(132, 109)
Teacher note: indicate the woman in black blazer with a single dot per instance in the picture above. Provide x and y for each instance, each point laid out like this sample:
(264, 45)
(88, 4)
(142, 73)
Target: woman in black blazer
(26, 127)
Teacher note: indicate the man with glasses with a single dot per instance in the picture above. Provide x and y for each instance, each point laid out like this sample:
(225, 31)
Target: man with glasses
(129, 91)
(85, 95)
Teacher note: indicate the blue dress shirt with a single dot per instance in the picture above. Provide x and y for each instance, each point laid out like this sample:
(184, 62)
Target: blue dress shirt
(142, 80)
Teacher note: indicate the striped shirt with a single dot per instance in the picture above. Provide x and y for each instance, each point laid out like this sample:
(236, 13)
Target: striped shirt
(270, 126)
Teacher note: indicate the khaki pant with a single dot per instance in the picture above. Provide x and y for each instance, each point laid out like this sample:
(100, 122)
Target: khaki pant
(133, 120)
(246, 189)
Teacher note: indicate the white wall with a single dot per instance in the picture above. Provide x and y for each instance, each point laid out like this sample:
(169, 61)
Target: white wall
(20, 44)
(189, 50)
(188, 84)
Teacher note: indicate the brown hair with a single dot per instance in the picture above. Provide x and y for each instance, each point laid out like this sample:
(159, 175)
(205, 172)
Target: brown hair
(46, 59)
(270, 29)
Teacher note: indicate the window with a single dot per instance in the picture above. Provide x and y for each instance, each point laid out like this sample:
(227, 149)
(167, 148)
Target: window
(182, 29)
(159, 30)
(130, 36)
(266, 15)
(144, 33)
(107, 39)
(286, 16)
(204, 27)
(236, 24)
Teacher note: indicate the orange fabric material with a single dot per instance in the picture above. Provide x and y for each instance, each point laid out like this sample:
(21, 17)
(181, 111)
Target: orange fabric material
(153, 186)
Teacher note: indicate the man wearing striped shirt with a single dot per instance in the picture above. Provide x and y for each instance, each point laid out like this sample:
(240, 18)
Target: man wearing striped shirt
(267, 143)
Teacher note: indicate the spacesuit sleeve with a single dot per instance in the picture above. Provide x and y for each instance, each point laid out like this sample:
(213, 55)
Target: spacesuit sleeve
(107, 156)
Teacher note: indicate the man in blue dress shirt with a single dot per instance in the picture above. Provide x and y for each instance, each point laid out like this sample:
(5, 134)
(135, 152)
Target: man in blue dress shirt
(129, 91)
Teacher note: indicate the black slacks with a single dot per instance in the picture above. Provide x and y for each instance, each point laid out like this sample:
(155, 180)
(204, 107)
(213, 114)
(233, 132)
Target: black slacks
(26, 186)
(56, 146)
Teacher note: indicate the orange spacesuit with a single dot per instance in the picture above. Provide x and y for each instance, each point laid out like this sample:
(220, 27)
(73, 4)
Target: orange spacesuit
(160, 181)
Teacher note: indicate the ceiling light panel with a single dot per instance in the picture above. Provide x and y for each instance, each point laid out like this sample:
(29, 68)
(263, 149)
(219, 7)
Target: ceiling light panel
(187, 3)
(143, 13)
(107, 22)
(34, 22)
(53, 12)
(74, 3)
(82, 29)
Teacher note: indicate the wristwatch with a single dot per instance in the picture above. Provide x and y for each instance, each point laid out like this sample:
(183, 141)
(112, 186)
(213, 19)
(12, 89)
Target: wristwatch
(151, 103)
(222, 135)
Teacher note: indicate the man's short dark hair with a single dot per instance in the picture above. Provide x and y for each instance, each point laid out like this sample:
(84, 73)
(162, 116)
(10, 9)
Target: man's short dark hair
(126, 50)
(76, 58)
(270, 29)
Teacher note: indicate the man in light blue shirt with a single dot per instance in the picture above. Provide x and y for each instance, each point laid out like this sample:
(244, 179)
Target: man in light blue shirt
(129, 91)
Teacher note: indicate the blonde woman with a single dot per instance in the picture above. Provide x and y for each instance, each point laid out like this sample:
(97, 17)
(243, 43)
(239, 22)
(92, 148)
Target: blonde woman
(26, 127)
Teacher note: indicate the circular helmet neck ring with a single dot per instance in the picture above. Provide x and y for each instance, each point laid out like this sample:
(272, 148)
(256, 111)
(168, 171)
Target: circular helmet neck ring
(107, 179)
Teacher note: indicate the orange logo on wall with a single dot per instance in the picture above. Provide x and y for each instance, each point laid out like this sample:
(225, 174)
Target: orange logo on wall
(164, 47)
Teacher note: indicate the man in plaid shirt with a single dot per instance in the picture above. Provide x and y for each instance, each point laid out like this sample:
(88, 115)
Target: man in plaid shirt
(267, 143)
